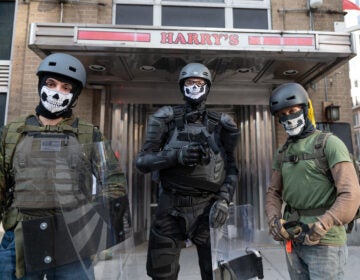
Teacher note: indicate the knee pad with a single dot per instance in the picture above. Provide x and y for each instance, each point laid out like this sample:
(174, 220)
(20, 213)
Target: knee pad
(163, 257)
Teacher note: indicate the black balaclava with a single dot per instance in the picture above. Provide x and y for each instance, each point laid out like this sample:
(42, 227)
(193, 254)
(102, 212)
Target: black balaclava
(54, 104)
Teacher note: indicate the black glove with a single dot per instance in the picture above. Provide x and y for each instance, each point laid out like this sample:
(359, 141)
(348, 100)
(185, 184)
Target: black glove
(117, 212)
(190, 155)
(277, 229)
(219, 213)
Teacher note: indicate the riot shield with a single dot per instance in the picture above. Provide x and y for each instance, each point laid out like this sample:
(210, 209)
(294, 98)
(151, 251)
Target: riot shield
(83, 191)
(232, 247)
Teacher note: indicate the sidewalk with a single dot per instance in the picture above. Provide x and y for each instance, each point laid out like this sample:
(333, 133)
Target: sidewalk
(273, 261)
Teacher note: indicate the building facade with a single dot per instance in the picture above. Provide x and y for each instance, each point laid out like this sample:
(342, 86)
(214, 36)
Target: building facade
(133, 51)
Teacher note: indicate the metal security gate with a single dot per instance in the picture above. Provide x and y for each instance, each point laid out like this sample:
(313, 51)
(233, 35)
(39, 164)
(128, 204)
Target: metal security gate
(254, 154)
(256, 150)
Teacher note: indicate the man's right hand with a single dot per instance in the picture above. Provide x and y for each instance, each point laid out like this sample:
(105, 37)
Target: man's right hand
(190, 155)
(277, 230)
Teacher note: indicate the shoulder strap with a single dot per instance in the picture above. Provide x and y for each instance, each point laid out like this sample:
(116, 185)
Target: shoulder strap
(179, 114)
(318, 153)
(12, 137)
(85, 131)
(213, 119)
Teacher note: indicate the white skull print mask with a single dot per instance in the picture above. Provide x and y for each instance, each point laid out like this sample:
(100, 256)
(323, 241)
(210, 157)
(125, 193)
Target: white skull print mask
(294, 123)
(194, 92)
(55, 101)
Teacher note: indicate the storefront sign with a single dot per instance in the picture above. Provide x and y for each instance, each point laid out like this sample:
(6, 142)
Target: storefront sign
(195, 39)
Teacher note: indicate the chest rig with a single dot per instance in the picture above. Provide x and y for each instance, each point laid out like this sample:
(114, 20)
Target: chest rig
(50, 168)
(210, 173)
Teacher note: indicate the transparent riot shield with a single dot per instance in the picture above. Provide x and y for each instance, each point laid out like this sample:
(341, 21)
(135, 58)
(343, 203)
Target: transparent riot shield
(232, 247)
(82, 212)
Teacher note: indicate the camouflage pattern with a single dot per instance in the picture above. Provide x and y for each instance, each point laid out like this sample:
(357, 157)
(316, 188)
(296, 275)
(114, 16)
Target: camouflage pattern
(108, 201)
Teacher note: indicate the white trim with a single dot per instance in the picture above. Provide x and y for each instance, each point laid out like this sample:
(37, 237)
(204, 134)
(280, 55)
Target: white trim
(255, 4)
(157, 15)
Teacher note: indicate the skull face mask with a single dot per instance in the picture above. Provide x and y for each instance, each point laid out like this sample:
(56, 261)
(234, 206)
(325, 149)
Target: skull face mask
(55, 101)
(294, 123)
(195, 92)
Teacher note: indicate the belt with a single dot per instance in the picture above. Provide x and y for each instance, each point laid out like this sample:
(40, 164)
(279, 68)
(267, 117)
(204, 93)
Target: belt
(296, 213)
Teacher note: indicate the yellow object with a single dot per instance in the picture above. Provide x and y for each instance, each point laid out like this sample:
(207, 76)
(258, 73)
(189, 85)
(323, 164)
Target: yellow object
(311, 114)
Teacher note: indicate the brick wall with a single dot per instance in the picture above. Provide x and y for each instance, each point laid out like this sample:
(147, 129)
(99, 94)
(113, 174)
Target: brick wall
(290, 15)
(286, 15)
(23, 85)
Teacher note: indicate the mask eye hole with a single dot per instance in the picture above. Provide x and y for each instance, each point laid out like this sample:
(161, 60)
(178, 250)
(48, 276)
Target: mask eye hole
(190, 82)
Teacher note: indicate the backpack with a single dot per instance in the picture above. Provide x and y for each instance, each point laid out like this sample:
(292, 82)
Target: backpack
(322, 164)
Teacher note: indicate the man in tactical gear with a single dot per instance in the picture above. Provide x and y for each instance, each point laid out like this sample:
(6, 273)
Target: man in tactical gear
(317, 204)
(193, 150)
(45, 175)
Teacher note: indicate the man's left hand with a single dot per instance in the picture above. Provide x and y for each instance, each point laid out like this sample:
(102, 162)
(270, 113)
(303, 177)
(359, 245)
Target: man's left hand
(219, 213)
(316, 232)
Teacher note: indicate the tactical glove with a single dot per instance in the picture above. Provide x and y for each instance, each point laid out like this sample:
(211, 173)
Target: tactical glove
(190, 155)
(116, 213)
(315, 233)
(219, 213)
(277, 230)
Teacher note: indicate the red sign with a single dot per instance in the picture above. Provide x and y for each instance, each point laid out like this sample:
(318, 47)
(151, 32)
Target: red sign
(195, 39)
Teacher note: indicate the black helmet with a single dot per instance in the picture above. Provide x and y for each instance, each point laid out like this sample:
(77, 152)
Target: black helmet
(196, 70)
(288, 95)
(63, 64)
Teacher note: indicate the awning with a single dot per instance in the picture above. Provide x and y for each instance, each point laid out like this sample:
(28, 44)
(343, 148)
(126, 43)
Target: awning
(143, 62)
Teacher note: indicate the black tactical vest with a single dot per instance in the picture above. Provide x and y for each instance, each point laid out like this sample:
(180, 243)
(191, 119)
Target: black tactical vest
(206, 177)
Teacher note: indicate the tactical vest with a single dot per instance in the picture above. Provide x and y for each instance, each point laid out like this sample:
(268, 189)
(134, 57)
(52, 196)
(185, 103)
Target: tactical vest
(207, 176)
(48, 165)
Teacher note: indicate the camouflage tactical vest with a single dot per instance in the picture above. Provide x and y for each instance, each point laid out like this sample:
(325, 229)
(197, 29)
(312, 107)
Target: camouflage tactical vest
(46, 163)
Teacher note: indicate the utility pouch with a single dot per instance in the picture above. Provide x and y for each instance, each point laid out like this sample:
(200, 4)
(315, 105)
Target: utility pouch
(50, 242)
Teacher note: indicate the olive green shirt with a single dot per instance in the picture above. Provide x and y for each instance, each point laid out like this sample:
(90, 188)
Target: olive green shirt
(305, 187)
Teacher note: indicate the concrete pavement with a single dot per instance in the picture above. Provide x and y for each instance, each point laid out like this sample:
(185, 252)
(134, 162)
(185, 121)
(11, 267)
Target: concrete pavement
(273, 261)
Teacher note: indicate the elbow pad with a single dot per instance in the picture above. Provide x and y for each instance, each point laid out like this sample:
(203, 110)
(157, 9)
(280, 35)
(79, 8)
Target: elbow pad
(227, 190)
(148, 162)
(230, 133)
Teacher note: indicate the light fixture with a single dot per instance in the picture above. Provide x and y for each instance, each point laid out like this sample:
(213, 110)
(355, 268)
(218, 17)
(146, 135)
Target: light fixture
(147, 68)
(315, 3)
(332, 113)
(97, 68)
(243, 70)
(290, 72)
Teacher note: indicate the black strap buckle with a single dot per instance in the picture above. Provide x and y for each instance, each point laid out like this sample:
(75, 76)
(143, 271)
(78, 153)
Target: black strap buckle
(294, 158)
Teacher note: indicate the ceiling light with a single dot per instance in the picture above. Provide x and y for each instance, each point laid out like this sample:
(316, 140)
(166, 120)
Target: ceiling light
(147, 68)
(97, 68)
(290, 72)
(243, 70)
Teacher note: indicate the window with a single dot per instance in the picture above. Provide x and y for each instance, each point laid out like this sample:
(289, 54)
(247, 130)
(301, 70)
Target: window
(2, 108)
(193, 16)
(202, 1)
(245, 14)
(250, 18)
(134, 14)
(7, 10)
